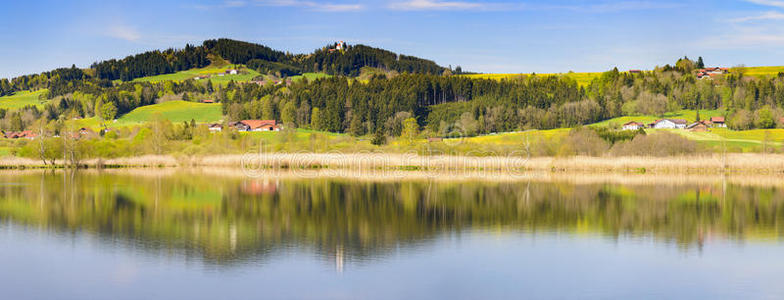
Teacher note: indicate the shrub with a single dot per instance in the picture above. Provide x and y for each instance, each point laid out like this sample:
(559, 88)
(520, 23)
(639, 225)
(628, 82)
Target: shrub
(583, 141)
(659, 144)
(741, 120)
(614, 136)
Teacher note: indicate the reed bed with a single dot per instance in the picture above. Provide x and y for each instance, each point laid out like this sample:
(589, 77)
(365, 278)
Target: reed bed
(750, 180)
(698, 164)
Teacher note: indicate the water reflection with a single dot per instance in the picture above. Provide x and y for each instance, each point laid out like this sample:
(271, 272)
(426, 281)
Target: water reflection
(231, 219)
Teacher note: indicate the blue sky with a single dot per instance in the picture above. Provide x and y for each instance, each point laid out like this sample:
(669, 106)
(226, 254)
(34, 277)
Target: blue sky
(483, 36)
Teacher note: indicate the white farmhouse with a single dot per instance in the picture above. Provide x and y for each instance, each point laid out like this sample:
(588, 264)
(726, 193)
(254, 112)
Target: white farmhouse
(216, 127)
(670, 124)
(633, 126)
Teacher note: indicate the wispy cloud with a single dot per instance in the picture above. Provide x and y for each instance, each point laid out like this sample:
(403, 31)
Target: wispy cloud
(610, 7)
(771, 15)
(224, 4)
(774, 3)
(440, 5)
(311, 5)
(123, 32)
(605, 7)
(234, 3)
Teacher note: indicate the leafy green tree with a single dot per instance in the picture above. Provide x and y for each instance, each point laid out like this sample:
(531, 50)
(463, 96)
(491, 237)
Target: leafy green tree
(764, 118)
(108, 111)
(410, 130)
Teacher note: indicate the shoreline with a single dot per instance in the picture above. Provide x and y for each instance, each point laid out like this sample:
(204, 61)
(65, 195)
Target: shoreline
(749, 163)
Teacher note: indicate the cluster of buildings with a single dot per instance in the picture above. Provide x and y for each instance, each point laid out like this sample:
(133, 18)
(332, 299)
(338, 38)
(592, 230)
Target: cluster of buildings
(25, 134)
(709, 73)
(287, 81)
(248, 125)
(28, 134)
(703, 125)
(227, 72)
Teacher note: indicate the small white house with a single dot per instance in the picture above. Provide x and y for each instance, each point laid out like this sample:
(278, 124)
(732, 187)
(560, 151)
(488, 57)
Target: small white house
(216, 127)
(670, 124)
(633, 126)
(232, 71)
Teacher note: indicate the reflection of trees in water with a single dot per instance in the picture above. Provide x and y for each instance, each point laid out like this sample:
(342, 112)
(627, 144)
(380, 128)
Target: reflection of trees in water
(228, 220)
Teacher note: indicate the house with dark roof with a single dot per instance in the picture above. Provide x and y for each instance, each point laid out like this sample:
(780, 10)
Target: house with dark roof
(700, 126)
(215, 127)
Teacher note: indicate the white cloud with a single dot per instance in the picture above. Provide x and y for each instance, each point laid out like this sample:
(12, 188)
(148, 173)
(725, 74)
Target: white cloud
(224, 4)
(234, 3)
(606, 7)
(123, 32)
(318, 6)
(771, 15)
(437, 5)
(626, 6)
(774, 3)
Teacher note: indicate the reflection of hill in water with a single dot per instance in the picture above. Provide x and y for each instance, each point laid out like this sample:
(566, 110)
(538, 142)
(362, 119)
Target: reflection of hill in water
(227, 219)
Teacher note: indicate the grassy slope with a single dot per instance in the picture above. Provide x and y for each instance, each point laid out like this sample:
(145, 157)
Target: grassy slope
(310, 76)
(22, 99)
(175, 111)
(689, 115)
(736, 141)
(245, 75)
(717, 138)
(763, 71)
(513, 138)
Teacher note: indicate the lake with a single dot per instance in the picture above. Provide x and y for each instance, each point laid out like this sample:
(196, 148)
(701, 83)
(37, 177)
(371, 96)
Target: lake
(197, 234)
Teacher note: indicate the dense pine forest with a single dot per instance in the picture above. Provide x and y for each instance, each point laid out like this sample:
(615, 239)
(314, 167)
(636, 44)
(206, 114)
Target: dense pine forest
(417, 89)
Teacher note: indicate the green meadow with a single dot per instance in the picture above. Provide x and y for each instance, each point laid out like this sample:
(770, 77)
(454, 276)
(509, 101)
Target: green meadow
(175, 111)
(689, 115)
(310, 76)
(720, 139)
(762, 72)
(22, 99)
(212, 71)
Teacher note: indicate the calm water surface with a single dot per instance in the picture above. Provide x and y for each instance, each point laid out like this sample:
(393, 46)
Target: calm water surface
(196, 235)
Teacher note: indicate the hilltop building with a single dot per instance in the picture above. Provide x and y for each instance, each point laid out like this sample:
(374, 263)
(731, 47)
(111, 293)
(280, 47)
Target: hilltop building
(709, 73)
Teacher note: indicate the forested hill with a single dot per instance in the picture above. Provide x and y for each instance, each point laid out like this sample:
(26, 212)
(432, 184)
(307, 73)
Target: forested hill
(348, 61)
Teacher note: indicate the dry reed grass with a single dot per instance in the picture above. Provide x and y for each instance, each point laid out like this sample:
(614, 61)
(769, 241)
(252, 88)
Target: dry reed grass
(751, 180)
(698, 164)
